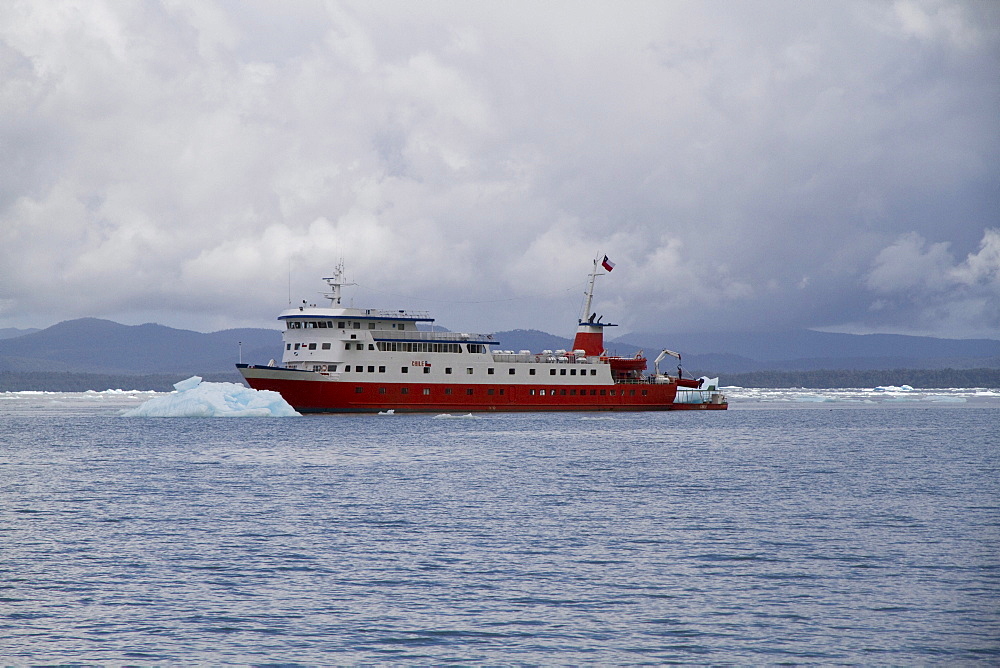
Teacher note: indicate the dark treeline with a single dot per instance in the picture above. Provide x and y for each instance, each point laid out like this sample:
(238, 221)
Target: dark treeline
(47, 381)
(917, 378)
(18, 381)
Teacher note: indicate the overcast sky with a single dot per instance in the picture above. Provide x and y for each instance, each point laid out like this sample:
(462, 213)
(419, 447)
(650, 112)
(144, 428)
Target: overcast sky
(746, 165)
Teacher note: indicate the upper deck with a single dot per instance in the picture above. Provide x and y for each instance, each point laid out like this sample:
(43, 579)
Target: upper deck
(314, 312)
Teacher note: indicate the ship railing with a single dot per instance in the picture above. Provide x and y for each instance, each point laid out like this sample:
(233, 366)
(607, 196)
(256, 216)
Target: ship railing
(413, 335)
(524, 357)
(693, 396)
(401, 313)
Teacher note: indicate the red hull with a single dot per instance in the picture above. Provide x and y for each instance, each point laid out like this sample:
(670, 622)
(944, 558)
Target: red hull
(319, 396)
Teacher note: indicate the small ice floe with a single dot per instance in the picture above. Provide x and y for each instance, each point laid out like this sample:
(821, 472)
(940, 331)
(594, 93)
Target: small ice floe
(946, 399)
(449, 416)
(813, 398)
(391, 411)
(193, 398)
(893, 388)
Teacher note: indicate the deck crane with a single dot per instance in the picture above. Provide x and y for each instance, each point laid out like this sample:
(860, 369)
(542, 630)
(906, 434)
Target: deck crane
(659, 358)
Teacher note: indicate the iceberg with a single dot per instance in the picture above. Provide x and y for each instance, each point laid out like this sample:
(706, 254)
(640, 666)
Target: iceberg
(194, 398)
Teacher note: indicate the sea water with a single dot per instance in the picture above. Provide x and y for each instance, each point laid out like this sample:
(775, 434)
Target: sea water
(801, 526)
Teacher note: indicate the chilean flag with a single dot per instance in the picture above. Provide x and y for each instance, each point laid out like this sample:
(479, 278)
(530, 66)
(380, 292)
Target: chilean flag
(608, 264)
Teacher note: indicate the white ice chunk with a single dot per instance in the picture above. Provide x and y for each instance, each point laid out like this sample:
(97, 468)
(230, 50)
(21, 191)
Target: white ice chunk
(193, 398)
(189, 384)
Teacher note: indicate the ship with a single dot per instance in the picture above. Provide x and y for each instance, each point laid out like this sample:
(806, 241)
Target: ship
(342, 359)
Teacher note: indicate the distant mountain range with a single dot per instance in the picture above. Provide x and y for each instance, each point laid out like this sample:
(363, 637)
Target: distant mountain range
(90, 345)
(806, 350)
(11, 332)
(94, 346)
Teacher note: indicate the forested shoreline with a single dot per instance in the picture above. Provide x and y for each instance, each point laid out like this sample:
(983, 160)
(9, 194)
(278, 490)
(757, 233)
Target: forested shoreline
(45, 381)
(839, 378)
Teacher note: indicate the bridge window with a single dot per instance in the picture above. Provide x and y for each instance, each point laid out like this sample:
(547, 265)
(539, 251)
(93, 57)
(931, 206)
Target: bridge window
(427, 369)
(510, 371)
(326, 346)
(312, 346)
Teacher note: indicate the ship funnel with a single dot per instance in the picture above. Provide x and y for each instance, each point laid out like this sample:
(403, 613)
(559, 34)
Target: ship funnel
(589, 338)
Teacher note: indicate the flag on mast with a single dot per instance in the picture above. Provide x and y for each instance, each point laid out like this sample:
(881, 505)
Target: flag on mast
(607, 264)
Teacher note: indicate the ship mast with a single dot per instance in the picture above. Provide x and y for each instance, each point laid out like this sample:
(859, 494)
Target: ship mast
(336, 282)
(585, 314)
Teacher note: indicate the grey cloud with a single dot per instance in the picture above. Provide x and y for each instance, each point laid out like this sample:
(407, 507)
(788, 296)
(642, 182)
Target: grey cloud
(744, 171)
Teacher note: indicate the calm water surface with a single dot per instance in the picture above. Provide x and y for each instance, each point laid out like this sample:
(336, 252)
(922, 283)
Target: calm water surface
(775, 532)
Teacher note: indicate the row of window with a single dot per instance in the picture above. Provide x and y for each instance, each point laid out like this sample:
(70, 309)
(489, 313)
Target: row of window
(490, 371)
(540, 392)
(307, 346)
(341, 324)
(392, 346)
(417, 347)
